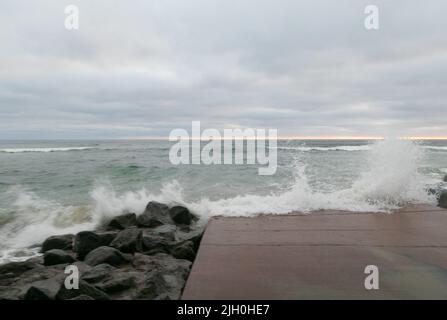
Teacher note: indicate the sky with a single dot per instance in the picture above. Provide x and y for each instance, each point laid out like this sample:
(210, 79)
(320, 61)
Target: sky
(138, 69)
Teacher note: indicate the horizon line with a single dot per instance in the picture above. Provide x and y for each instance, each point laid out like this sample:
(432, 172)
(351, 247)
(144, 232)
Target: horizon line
(242, 137)
(297, 138)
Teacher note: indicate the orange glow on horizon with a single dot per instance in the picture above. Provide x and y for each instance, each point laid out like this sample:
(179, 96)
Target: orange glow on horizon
(310, 138)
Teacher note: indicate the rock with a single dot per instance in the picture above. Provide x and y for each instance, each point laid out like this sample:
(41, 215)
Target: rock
(160, 285)
(184, 250)
(9, 293)
(156, 214)
(57, 256)
(43, 290)
(63, 242)
(15, 269)
(181, 215)
(445, 178)
(118, 282)
(168, 231)
(84, 289)
(195, 236)
(98, 273)
(106, 255)
(128, 240)
(87, 241)
(155, 243)
(82, 297)
(162, 261)
(443, 200)
(123, 221)
(39, 274)
(37, 259)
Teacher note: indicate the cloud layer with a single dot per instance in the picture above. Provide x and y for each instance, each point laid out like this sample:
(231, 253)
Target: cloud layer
(143, 68)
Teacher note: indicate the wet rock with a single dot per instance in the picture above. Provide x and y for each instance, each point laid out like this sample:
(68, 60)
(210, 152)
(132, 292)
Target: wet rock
(87, 241)
(63, 242)
(15, 269)
(39, 274)
(181, 215)
(107, 255)
(9, 293)
(162, 261)
(123, 221)
(43, 290)
(160, 285)
(156, 214)
(57, 256)
(84, 289)
(445, 178)
(37, 260)
(443, 200)
(118, 282)
(194, 236)
(152, 243)
(168, 231)
(98, 273)
(128, 240)
(184, 250)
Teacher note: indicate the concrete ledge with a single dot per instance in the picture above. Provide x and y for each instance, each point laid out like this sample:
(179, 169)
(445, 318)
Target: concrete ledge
(323, 256)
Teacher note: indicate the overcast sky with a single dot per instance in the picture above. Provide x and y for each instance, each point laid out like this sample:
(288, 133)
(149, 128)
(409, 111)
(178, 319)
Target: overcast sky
(143, 68)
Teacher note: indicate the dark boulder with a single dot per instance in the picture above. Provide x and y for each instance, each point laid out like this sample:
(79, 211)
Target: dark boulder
(153, 243)
(181, 215)
(87, 241)
(43, 290)
(443, 200)
(107, 255)
(163, 261)
(445, 178)
(164, 276)
(118, 282)
(167, 231)
(98, 273)
(57, 256)
(63, 242)
(10, 293)
(128, 240)
(15, 269)
(184, 250)
(38, 274)
(123, 221)
(156, 214)
(195, 236)
(160, 285)
(84, 289)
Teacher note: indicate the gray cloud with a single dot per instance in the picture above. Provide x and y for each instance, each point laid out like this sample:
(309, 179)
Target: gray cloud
(147, 67)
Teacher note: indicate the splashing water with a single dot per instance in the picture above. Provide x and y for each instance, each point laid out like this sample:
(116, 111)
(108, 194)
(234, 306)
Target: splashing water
(391, 180)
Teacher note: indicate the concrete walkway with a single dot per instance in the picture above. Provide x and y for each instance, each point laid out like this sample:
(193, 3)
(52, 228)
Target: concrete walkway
(323, 256)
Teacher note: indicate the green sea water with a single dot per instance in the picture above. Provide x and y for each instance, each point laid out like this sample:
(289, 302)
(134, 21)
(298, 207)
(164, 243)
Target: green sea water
(55, 187)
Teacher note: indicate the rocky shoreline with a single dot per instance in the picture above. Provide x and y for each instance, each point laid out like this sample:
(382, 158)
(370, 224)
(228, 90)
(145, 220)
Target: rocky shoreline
(148, 256)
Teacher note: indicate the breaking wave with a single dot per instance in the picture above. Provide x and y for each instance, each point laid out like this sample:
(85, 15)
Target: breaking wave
(23, 150)
(338, 148)
(392, 180)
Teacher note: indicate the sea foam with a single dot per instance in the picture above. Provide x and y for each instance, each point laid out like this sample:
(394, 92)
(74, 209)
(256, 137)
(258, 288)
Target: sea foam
(390, 181)
(24, 150)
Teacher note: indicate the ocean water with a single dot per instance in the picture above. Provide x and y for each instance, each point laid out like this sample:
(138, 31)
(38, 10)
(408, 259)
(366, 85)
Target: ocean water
(56, 187)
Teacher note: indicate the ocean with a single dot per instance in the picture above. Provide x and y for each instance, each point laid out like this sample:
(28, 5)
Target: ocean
(57, 187)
